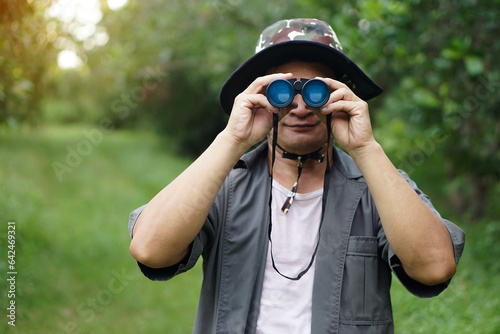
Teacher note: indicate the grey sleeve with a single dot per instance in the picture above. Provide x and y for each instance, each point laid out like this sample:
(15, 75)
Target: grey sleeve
(413, 286)
(202, 240)
(133, 218)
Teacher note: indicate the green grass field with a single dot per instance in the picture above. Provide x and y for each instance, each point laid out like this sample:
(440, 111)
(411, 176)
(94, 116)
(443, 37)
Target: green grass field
(69, 191)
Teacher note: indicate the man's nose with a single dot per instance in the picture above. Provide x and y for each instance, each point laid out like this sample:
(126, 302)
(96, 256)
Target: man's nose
(299, 107)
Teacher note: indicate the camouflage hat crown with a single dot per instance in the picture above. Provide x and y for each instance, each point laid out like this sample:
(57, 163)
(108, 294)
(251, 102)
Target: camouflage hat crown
(306, 39)
(298, 30)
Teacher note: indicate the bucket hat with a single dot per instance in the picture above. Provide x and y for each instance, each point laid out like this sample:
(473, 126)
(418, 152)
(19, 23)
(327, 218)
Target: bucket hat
(303, 39)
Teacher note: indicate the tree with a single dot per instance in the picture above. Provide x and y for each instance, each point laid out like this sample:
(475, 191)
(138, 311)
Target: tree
(25, 52)
(437, 62)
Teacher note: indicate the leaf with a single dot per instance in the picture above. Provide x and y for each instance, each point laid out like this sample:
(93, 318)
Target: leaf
(474, 65)
(426, 98)
(450, 53)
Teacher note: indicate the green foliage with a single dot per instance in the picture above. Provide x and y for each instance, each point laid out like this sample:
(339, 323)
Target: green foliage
(437, 64)
(25, 53)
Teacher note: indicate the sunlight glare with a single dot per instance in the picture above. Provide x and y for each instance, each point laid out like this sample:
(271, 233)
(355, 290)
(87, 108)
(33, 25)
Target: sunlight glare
(84, 11)
(67, 59)
(116, 4)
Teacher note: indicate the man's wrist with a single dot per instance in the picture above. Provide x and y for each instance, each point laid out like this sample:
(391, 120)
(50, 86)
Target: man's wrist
(367, 155)
(234, 145)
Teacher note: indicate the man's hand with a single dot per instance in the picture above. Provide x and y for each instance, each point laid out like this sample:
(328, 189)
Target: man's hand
(251, 117)
(351, 126)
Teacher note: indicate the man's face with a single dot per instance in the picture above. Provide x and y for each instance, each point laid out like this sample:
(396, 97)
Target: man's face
(303, 129)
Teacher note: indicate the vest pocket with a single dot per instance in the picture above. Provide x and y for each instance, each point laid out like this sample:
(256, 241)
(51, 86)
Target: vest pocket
(365, 295)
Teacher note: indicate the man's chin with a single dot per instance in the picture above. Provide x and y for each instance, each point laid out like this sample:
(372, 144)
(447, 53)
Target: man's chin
(301, 146)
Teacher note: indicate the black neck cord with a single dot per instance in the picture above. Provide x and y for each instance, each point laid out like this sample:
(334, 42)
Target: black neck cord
(316, 155)
(325, 191)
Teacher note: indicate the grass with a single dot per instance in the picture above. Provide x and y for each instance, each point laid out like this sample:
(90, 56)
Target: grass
(75, 274)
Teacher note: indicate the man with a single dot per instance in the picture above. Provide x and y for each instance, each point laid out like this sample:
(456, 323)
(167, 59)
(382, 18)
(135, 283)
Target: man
(296, 236)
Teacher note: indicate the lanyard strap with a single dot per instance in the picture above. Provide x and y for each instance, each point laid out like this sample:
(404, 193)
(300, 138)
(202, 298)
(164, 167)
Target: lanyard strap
(294, 189)
(316, 155)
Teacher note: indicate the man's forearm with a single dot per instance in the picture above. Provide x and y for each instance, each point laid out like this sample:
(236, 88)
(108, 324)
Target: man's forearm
(417, 236)
(173, 218)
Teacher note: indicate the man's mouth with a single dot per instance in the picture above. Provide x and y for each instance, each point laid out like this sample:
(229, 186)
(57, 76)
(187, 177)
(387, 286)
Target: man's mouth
(302, 126)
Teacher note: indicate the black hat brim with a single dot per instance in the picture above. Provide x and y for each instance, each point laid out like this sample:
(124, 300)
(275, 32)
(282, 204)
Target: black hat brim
(257, 65)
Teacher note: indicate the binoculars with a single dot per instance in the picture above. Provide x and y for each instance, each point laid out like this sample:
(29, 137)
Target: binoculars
(315, 92)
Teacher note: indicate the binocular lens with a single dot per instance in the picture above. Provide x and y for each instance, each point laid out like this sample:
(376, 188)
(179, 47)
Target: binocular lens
(280, 93)
(315, 93)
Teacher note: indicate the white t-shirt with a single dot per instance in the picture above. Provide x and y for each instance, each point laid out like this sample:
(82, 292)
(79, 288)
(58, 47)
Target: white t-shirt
(285, 304)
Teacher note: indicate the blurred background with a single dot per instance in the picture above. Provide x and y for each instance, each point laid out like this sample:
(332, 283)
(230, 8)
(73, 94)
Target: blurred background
(103, 103)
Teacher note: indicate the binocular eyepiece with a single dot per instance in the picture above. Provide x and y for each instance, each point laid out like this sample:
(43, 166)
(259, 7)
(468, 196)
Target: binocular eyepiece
(315, 92)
